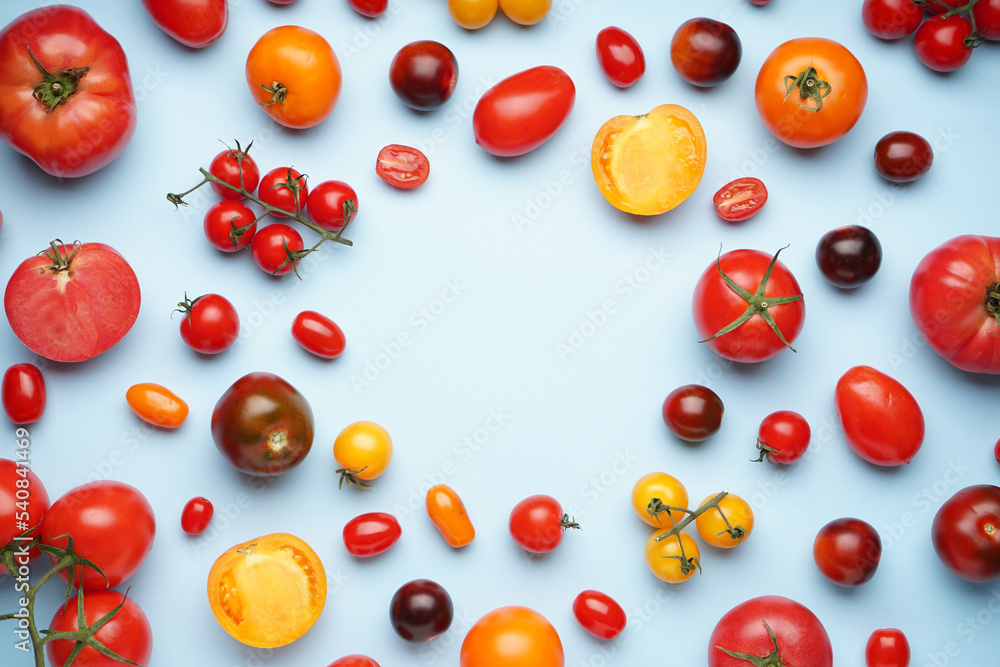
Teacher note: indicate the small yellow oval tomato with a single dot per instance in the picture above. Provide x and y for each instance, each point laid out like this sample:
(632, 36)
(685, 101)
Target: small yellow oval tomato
(447, 512)
(363, 450)
(526, 12)
(156, 405)
(668, 561)
(658, 489)
(472, 14)
(649, 164)
(294, 76)
(269, 591)
(715, 530)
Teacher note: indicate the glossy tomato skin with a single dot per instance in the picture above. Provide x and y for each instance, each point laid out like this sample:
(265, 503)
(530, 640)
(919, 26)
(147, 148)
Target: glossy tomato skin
(537, 524)
(354, 660)
(112, 525)
(236, 168)
(661, 487)
(229, 225)
(363, 450)
(881, 419)
(420, 610)
(371, 534)
(318, 334)
(23, 393)
(512, 635)
(940, 42)
(448, 514)
(731, 531)
(664, 555)
(369, 8)
(741, 199)
(402, 166)
(473, 14)
(93, 124)
(987, 16)
(599, 614)
(783, 437)
(332, 205)
(127, 633)
(194, 23)
(156, 405)
(197, 515)
(705, 52)
(847, 551)
(798, 119)
(285, 189)
(271, 246)
(620, 56)
(966, 533)
(902, 156)
(526, 12)
(715, 305)
(801, 637)
(955, 302)
(424, 74)
(693, 412)
(211, 324)
(891, 19)
(263, 425)
(849, 256)
(523, 111)
(887, 647)
(23, 502)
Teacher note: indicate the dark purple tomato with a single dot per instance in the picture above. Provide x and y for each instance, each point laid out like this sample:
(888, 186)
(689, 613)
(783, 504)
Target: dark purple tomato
(424, 74)
(705, 52)
(620, 57)
(693, 412)
(902, 156)
(420, 610)
(847, 551)
(849, 256)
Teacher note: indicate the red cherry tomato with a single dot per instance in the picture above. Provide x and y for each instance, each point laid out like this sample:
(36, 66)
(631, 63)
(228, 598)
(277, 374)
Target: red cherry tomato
(740, 199)
(987, 16)
(966, 533)
(318, 334)
(882, 421)
(783, 437)
(236, 168)
(197, 515)
(887, 647)
(902, 156)
(332, 205)
(23, 503)
(371, 534)
(693, 412)
(275, 249)
(940, 42)
(355, 659)
(372, 9)
(229, 225)
(210, 325)
(620, 57)
(599, 614)
(194, 23)
(537, 524)
(402, 166)
(23, 392)
(523, 111)
(285, 189)
(127, 632)
(891, 19)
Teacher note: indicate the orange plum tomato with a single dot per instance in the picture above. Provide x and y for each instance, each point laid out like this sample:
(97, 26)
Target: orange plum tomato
(156, 405)
(448, 514)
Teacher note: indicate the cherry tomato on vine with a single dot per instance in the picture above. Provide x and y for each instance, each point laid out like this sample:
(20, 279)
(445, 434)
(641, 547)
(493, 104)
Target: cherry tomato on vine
(783, 437)
(526, 12)
(599, 614)
(966, 533)
(473, 14)
(847, 551)
(769, 629)
(318, 334)
(210, 323)
(891, 19)
(741, 199)
(881, 419)
(197, 515)
(620, 57)
(363, 450)
(354, 660)
(538, 523)
(423, 74)
(237, 168)
(23, 504)
(371, 534)
(156, 405)
(284, 188)
(672, 559)
(512, 635)
(987, 16)
(447, 512)
(902, 157)
(887, 647)
(420, 610)
(729, 525)
(941, 6)
(402, 166)
(693, 412)
(653, 493)
(705, 52)
(23, 393)
(370, 8)
(275, 249)
(127, 633)
(332, 205)
(229, 225)
(940, 42)
(849, 256)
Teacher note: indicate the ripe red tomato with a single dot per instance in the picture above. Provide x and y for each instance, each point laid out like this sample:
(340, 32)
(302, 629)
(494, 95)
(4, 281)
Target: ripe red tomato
(882, 421)
(372, 9)
(332, 205)
(262, 425)
(599, 614)
(72, 302)
(620, 57)
(705, 52)
(229, 225)
(402, 166)
(284, 189)
(112, 525)
(537, 524)
(275, 249)
(693, 412)
(197, 515)
(987, 16)
(783, 437)
(523, 111)
(887, 647)
(127, 633)
(211, 323)
(955, 302)
(966, 533)
(355, 659)
(236, 168)
(768, 292)
(891, 19)
(318, 334)
(23, 392)
(799, 638)
(940, 42)
(194, 23)
(23, 504)
(73, 111)
(423, 74)
(421, 610)
(371, 534)
(847, 551)
(902, 156)
(740, 199)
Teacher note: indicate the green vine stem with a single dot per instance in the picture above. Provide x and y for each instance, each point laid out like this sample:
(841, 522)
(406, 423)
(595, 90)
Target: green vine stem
(656, 507)
(973, 40)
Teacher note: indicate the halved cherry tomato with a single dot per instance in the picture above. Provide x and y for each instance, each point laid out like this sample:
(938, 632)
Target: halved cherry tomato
(729, 525)
(653, 493)
(371, 534)
(649, 164)
(402, 166)
(740, 199)
(447, 513)
(363, 450)
(620, 57)
(269, 591)
(882, 421)
(473, 14)
(156, 405)
(197, 515)
(23, 393)
(599, 614)
(318, 334)
(672, 559)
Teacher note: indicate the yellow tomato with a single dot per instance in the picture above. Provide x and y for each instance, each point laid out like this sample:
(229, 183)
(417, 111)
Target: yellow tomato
(526, 12)
(666, 559)
(661, 488)
(363, 450)
(472, 14)
(715, 530)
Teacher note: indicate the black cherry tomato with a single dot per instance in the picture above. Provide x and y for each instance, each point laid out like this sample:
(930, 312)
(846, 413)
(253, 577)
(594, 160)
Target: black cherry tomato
(849, 256)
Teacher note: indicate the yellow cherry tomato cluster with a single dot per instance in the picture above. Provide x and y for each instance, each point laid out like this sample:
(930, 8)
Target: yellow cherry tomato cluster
(723, 520)
(476, 14)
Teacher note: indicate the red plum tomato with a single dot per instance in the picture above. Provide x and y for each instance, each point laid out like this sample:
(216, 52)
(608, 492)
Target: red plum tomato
(23, 392)
(693, 412)
(354, 660)
(599, 614)
(197, 515)
(966, 533)
(318, 334)
(887, 647)
(881, 419)
(369, 8)
(371, 534)
(620, 57)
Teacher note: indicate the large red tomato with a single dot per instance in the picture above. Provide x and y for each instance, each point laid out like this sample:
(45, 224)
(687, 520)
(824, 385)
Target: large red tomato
(194, 23)
(881, 419)
(753, 315)
(769, 630)
(23, 503)
(955, 302)
(66, 97)
(72, 302)
(966, 533)
(127, 633)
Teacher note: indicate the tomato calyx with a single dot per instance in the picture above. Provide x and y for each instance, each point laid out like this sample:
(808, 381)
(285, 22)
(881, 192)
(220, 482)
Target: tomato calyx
(278, 93)
(772, 659)
(688, 565)
(809, 86)
(757, 303)
(766, 451)
(187, 305)
(57, 86)
(972, 40)
(351, 477)
(992, 304)
(567, 522)
(61, 262)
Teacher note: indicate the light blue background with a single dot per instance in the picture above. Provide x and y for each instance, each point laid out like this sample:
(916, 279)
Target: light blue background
(485, 270)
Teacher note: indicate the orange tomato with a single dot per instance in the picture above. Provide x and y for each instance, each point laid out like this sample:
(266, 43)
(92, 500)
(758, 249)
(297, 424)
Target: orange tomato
(667, 561)
(156, 405)
(363, 450)
(269, 591)
(512, 636)
(472, 14)
(294, 75)
(659, 486)
(810, 92)
(526, 12)
(713, 527)
(447, 513)
(649, 164)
